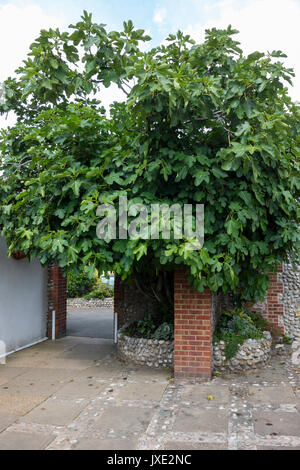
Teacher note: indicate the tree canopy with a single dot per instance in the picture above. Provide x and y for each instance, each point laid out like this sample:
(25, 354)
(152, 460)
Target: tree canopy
(201, 124)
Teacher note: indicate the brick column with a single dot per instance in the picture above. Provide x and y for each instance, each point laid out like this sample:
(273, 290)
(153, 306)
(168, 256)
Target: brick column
(57, 300)
(272, 307)
(275, 308)
(192, 329)
(118, 299)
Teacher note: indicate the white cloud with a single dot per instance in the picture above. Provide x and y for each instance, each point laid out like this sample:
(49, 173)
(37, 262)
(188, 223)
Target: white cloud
(108, 95)
(159, 15)
(264, 25)
(145, 46)
(19, 27)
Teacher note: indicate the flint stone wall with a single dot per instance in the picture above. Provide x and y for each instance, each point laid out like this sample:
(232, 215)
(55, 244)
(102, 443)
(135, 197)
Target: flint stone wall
(251, 354)
(159, 353)
(291, 301)
(149, 352)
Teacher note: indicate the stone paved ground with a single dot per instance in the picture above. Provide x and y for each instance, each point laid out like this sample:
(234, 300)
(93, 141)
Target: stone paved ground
(74, 394)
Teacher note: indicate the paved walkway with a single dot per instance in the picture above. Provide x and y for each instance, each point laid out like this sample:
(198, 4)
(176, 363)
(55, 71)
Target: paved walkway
(74, 394)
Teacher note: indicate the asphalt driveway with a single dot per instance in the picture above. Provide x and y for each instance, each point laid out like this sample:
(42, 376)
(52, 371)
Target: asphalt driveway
(90, 322)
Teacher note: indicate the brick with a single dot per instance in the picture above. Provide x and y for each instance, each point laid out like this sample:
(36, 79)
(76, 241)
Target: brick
(274, 306)
(57, 300)
(193, 329)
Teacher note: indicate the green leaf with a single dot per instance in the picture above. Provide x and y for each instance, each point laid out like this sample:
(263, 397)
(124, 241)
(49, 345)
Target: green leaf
(218, 173)
(47, 84)
(60, 213)
(243, 129)
(201, 176)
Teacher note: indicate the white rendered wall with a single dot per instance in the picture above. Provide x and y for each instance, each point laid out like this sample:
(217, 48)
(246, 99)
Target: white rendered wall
(23, 301)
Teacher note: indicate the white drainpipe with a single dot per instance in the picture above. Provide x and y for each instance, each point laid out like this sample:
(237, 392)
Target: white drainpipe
(53, 325)
(116, 328)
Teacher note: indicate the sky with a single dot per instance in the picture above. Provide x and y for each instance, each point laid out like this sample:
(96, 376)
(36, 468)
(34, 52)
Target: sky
(264, 25)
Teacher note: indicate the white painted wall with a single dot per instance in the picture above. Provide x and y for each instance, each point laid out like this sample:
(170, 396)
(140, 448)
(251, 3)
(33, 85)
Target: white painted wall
(23, 301)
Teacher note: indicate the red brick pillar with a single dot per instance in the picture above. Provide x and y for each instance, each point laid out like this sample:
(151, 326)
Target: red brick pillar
(272, 307)
(192, 329)
(275, 308)
(57, 300)
(118, 299)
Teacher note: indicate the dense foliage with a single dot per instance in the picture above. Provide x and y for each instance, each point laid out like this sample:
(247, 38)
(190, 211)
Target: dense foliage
(100, 291)
(79, 284)
(237, 326)
(151, 327)
(202, 123)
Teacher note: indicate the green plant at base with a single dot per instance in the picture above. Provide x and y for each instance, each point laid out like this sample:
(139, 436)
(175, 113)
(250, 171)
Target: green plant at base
(285, 340)
(146, 326)
(263, 324)
(142, 328)
(165, 332)
(259, 320)
(232, 345)
(234, 328)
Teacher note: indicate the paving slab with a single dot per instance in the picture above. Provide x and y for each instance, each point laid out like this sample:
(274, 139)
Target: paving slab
(8, 373)
(277, 448)
(90, 351)
(271, 395)
(146, 374)
(105, 444)
(140, 391)
(104, 371)
(56, 412)
(19, 404)
(53, 347)
(81, 388)
(194, 419)
(6, 420)
(267, 375)
(73, 340)
(277, 423)
(123, 421)
(67, 364)
(47, 375)
(193, 446)
(24, 386)
(205, 394)
(24, 441)
(27, 358)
